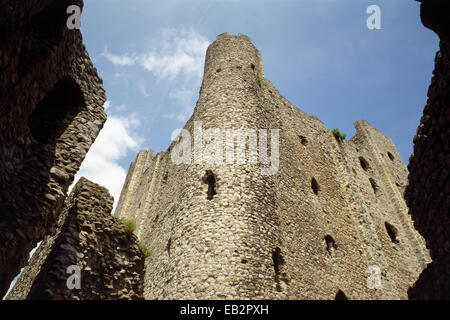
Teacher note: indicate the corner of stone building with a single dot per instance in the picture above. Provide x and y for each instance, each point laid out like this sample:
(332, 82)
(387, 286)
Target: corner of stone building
(392, 177)
(138, 169)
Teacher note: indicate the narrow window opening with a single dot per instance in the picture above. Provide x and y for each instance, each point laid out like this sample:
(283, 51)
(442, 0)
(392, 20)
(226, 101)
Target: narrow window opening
(218, 70)
(390, 156)
(340, 295)
(364, 164)
(374, 185)
(315, 186)
(303, 140)
(392, 232)
(210, 179)
(331, 244)
(244, 261)
(166, 176)
(252, 66)
(169, 244)
(278, 261)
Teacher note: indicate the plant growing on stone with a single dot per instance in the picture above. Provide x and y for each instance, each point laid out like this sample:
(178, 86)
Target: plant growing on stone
(338, 135)
(128, 225)
(147, 252)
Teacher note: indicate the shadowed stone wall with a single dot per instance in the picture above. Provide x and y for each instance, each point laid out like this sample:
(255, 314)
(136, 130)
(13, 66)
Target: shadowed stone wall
(314, 229)
(428, 192)
(87, 236)
(51, 111)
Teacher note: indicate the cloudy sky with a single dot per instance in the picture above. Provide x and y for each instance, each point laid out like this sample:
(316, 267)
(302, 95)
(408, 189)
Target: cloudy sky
(318, 53)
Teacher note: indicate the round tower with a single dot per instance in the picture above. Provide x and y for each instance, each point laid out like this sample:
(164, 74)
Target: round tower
(222, 241)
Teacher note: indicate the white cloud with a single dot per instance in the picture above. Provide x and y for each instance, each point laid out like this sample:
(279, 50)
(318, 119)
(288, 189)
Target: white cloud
(123, 60)
(142, 89)
(121, 108)
(185, 98)
(177, 56)
(101, 164)
(181, 52)
(124, 77)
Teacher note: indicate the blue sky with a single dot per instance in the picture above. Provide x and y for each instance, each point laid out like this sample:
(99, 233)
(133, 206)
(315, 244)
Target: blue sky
(318, 53)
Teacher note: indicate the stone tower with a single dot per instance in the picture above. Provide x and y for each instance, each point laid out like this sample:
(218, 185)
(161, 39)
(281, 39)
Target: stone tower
(294, 214)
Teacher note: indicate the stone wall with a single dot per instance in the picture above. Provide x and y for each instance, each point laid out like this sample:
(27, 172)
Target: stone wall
(428, 192)
(331, 213)
(51, 111)
(87, 236)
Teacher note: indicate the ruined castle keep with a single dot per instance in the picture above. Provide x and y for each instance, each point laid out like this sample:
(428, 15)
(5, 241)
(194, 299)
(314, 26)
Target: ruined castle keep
(51, 111)
(428, 192)
(254, 199)
(319, 220)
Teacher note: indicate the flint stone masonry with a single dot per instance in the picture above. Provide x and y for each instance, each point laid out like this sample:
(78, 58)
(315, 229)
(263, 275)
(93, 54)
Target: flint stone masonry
(111, 263)
(51, 111)
(268, 236)
(428, 192)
